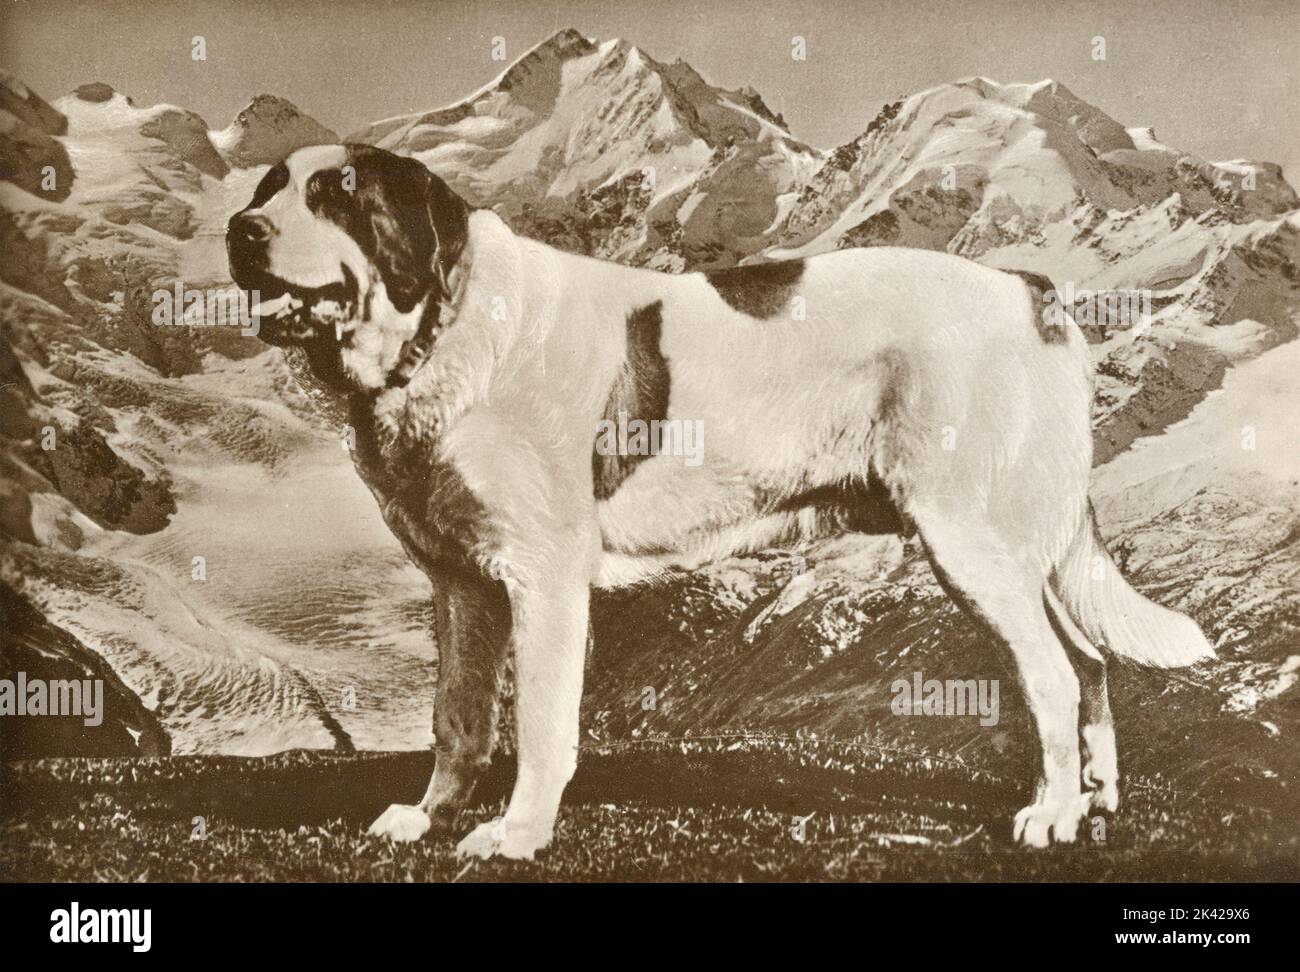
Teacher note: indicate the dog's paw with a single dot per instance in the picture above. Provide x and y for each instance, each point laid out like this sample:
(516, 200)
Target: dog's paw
(1100, 769)
(1105, 798)
(499, 838)
(1039, 824)
(401, 822)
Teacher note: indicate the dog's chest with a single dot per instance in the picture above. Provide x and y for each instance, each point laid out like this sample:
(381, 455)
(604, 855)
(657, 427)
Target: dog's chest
(422, 497)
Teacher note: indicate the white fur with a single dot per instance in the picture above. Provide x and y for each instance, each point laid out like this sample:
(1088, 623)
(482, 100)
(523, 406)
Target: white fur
(376, 343)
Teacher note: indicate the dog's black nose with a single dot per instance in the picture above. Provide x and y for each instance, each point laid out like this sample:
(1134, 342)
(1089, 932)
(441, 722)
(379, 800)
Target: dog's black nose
(244, 228)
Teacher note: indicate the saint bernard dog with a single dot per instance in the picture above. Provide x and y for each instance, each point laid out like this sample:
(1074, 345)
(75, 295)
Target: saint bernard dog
(871, 390)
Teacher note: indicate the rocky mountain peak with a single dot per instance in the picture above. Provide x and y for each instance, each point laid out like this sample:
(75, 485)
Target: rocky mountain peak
(568, 42)
(97, 92)
(268, 129)
(269, 109)
(607, 150)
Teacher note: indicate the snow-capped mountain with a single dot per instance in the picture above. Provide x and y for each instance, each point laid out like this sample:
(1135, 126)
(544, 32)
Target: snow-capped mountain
(178, 443)
(966, 166)
(604, 150)
(138, 166)
(121, 438)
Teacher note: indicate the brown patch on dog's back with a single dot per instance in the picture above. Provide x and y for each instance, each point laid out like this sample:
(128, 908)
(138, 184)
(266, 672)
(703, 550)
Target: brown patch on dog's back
(1050, 328)
(640, 392)
(760, 290)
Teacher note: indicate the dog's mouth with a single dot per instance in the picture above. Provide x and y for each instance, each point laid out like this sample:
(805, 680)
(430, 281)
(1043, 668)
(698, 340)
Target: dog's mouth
(289, 314)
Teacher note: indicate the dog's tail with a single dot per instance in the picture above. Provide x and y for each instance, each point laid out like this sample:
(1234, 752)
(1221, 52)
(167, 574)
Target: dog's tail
(1116, 617)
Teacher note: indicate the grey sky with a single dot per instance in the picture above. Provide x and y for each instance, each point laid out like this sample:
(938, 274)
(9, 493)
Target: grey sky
(1214, 77)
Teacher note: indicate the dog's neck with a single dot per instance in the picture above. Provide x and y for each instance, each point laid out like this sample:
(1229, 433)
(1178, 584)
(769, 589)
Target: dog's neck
(441, 308)
(482, 335)
(475, 345)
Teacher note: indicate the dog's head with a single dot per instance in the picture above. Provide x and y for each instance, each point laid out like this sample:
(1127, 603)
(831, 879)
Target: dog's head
(349, 249)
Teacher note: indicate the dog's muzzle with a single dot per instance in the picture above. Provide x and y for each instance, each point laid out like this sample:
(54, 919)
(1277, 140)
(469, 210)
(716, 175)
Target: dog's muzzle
(287, 314)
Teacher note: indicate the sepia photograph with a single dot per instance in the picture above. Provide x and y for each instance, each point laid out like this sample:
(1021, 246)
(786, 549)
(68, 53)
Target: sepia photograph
(488, 441)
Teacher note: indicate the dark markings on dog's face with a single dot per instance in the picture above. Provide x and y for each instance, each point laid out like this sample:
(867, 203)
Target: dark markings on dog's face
(249, 235)
(401, 215)
(414, 228)
(1042, 295)
(276, 178)
(407, 224)
(761, 290)
(639, 392)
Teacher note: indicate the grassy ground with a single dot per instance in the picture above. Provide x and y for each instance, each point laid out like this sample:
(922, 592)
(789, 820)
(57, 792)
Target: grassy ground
(648, 810)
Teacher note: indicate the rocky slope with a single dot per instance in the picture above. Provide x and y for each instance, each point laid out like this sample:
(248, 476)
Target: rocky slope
(38, 650)
(195, 443)
(30, 154)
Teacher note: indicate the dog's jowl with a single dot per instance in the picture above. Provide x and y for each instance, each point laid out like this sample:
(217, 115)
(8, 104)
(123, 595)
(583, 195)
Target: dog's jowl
(863, 390)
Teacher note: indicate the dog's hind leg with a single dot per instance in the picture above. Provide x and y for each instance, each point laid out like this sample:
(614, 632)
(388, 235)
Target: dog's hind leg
(975, 566)
(1100, 764)
(472, 623)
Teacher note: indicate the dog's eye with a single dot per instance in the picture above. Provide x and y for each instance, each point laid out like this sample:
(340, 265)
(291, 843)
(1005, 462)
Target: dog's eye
(323, 187)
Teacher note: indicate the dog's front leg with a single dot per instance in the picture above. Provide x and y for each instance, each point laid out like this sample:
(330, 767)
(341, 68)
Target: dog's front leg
(472, 623)
(550, 619)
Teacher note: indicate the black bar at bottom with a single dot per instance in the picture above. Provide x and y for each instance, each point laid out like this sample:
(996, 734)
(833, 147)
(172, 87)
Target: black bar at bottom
(333, 921)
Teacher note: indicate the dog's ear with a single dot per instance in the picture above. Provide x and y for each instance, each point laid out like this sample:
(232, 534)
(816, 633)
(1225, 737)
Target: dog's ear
(419, 228)
(448, 216)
